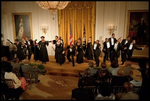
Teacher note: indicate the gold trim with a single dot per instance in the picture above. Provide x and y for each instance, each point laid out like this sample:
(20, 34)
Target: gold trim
(128, 20)
(13, 22)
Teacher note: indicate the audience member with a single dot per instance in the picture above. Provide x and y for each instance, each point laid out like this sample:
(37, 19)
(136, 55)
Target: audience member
(105, 92)
(137, 78)
(120, 79)
(128, 68)
(91, 69)
(16, 64)
(4, 64)
(19, 83)
(114, 68)
(128, 94)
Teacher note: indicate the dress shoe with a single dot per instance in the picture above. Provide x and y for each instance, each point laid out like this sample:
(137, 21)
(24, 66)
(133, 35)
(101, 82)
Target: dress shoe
(43, 73)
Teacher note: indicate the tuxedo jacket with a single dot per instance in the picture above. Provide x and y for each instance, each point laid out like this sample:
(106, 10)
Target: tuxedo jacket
(115, 40)
(134, 47)
(105, 47)
(97, 50)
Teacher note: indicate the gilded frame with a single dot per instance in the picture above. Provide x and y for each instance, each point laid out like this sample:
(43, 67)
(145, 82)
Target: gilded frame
(22, 25)
(134, 17)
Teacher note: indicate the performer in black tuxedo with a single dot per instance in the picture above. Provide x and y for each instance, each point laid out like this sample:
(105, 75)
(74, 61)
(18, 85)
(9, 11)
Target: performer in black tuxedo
(71, 52)
(19, 53)
(112, 41)
(29, 44)
(131, 48)
(96, 49)
(89, 52)
(106, 50)
(125, 43)
(43, 54)
(116, 51)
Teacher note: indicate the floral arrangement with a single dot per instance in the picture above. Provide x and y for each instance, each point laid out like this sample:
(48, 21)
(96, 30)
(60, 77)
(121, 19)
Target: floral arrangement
(40, 66)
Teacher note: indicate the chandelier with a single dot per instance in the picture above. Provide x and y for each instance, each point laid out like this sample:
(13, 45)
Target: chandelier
(52, 5)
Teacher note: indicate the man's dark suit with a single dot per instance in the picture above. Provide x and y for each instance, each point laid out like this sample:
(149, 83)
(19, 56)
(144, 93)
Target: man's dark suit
(72, 54)
(29, 48)
(124, 52)
(106, 51)
(97, 54)
(112, 47)
(116, 53)
(130, 52)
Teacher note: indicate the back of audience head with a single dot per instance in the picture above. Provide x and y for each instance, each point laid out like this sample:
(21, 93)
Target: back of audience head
(26, 61)
(103, 65)
(128, 86)
(15, 60)
(120, 72)
(9, 68)
(128, 63)
(136, 75)
(114, 64)
(87, 73)
(91, 64)
(4, 58)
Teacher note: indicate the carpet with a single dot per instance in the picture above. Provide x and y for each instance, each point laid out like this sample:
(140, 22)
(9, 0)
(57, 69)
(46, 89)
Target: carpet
(51, 87)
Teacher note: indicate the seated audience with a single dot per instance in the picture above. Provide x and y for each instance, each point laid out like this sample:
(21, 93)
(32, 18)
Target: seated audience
(92, 70)
(114, 68)
(4, 64)
(105, 92)
(33, 69)
(128, 68)
(19, 83)
(120, 79)
(137, 78)
(16, 64)
(128, 94)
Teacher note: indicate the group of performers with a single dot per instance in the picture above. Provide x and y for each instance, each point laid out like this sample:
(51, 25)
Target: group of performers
(112, 48)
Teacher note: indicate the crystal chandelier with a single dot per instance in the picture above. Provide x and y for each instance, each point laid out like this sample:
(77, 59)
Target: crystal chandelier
(52, 5)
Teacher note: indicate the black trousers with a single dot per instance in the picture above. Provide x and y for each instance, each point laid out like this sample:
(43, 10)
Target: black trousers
(123, 56)
(72, 58)
(129, 53)
(106, 55)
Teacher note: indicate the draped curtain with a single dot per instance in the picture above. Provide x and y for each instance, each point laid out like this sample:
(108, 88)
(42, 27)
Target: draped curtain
(77, 14)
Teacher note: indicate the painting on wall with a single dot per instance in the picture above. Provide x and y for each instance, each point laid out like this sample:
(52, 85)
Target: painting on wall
(22, 25)
(138, 24)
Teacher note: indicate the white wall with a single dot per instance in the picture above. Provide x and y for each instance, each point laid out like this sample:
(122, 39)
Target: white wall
(39, 17)
(115, 12)
(107, 12)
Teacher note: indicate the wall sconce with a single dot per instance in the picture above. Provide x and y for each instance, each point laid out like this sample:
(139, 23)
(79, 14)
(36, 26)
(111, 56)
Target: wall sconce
(44, 29)
(112, 28)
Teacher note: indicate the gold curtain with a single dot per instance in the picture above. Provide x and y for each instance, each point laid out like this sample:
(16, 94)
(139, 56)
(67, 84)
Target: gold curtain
(77, 14)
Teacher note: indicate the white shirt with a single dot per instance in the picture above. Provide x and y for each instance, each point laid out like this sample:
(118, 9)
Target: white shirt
(126, 42)
(112, 41)
(28, 42)
(70, 50)
(115, 46)
(136, 83)
(10, 75)
(130, 47)
(108, 44)
(95, 45)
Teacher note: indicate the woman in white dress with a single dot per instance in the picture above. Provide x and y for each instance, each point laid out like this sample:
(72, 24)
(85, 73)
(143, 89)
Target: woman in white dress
(21, 30)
